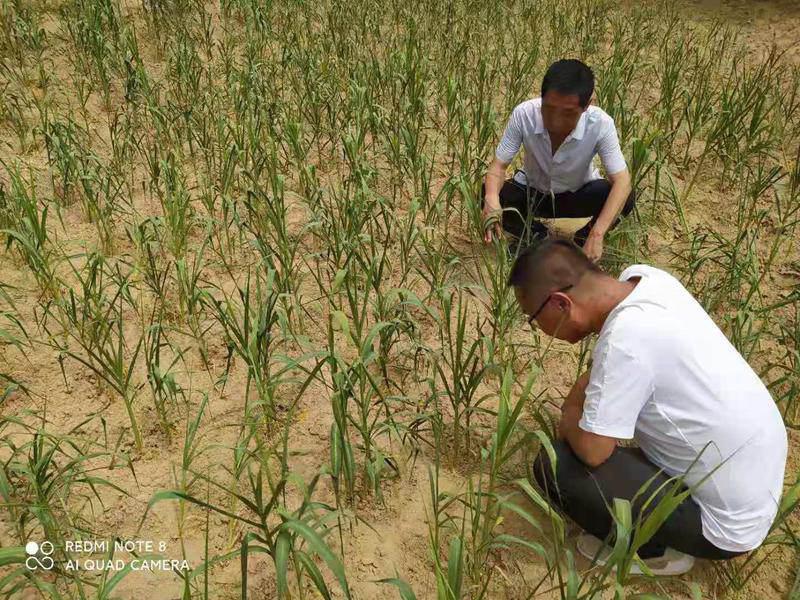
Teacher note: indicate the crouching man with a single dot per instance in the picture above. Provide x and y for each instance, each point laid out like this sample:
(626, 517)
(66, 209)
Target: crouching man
(561, 133)
(664, 375)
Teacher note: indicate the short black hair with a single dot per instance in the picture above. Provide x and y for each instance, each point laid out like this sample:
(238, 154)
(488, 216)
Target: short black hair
(549, 266)
(570, 76)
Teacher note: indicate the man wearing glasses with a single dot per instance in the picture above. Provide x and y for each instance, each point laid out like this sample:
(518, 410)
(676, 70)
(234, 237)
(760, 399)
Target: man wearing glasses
(561, 133)
(662, 374)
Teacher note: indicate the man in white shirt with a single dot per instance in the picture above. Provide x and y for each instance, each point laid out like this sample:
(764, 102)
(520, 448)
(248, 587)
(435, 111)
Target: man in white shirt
(664, 375)
(561, 134)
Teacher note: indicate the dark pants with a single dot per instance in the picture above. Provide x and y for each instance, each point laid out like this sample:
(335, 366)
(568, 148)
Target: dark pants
(587, 201)
(583, 494)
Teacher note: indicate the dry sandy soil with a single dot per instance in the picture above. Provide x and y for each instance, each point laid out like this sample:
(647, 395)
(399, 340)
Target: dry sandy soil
(392, 539)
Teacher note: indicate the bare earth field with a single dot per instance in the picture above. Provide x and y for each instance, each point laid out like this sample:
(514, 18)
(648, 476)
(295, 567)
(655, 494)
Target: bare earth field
(241, 246)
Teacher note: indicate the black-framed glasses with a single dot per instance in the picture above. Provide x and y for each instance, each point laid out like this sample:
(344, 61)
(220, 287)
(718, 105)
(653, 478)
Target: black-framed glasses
(546, 300)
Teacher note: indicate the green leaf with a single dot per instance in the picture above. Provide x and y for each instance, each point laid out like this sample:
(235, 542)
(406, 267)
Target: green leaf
(573, 583)
(506, 538)
(313, 572)
(114, 581)
(282, 548)
(406, 593)
(790, 499)
(555, 518)
(547, 445)
(317, 544)
(337, 280)
(336, 450)
(12, 556)
(694, 588)
(455, 567)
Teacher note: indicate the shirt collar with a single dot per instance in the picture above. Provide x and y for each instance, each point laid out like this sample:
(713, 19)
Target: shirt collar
(539, 125)
(580, 128)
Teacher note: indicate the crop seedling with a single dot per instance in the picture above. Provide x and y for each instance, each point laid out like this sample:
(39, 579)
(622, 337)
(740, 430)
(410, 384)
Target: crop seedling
(254, 229)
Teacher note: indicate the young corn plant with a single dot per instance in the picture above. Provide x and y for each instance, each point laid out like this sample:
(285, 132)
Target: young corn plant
(151, 262)
(389, 306)
(293, 537)
(251, 326)
(170, 185)
(362, 414)
(185, 71)
(94, 28)
(739, 132)
(190, 296)
(460, 365)
(267, 220)
(61, 143)
(186, 481)
(293, 542)
(449, 573)
(102, 198)
(409, 234)
(785, 382)
(701, 94)
(91, 330)
(21, 32)
(25, 228)
(617, 74)
(491, 277)
(80, 174)
(474, 518)
(486, 502)
(310, 185)
(167, 393)
(43, 477)
(438, 262)
(672, 55)
(12, 333)
(15, 110)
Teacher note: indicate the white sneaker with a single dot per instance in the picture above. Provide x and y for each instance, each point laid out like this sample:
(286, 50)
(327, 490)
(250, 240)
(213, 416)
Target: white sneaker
(671, 563)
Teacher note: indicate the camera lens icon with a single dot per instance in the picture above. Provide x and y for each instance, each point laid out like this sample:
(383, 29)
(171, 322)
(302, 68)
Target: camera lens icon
(39, 556)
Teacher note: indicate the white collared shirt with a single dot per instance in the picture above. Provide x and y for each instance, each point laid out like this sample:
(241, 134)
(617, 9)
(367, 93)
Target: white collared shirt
(571, 167)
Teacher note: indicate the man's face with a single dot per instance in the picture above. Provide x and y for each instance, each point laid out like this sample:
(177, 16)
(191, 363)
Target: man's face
(559, 317)
(561, 112)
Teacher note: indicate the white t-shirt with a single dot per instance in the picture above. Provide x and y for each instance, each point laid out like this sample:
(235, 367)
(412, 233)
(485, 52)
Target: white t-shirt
(571, 167)
(664, 374)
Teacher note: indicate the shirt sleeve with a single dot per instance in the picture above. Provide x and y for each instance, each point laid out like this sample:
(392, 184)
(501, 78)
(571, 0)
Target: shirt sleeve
(619, 385)
(512, 139)
(609, 151)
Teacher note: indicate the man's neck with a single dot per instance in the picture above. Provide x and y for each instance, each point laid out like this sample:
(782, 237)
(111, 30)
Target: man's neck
(555, 141)
(609, 298)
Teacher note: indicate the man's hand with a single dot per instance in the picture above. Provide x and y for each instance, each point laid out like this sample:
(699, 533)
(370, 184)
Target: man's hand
(492, 219)
(620, 189)
(593, 247)
(491, 202)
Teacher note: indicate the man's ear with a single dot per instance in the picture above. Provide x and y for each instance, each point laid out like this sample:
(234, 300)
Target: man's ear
(562, 302)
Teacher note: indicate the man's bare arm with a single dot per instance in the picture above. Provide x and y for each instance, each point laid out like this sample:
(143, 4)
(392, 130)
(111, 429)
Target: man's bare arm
(495, 176)
(591, 448)
(620, 190)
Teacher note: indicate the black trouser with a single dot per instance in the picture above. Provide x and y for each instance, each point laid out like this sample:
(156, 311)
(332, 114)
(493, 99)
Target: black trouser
(583, 494)
(587, 201)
